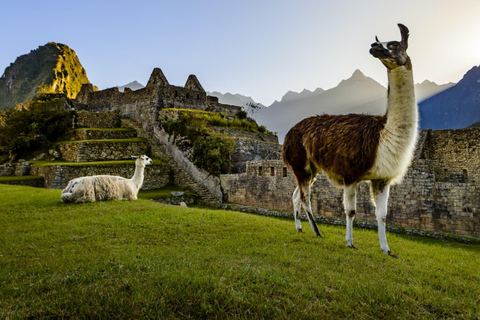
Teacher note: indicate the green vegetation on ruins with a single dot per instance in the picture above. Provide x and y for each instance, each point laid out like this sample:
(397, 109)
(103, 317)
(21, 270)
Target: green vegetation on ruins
(129, 140)
(214, 119)
(90, 163)
(19, 178)
(211, 151)
(142, 259)
(35, 127)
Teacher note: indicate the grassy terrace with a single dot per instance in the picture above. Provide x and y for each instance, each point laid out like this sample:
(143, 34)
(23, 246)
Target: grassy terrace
(130, 140)
(18, 178)
(142, 259)
(91, 163)
(104, 129)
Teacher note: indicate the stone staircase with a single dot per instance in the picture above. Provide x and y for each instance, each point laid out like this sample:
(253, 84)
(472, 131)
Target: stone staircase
(183, 177)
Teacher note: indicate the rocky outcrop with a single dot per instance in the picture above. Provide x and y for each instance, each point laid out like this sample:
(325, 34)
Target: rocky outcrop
(52, 68)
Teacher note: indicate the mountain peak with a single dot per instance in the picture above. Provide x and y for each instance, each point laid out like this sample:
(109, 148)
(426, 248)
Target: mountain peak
(53, 67)
(134, 85)
(357, 74)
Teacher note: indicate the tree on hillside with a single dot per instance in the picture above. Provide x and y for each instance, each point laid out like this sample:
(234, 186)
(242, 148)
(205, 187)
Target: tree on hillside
(252, 108)
(34, 127)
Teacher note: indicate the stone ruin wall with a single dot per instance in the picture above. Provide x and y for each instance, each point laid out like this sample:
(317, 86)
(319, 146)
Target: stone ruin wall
(450, 204)
(100, 119)
(57, 177)
(94, 134)
(92, 150)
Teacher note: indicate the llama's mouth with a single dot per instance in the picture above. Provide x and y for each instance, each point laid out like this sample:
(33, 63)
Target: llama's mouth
(379, 52)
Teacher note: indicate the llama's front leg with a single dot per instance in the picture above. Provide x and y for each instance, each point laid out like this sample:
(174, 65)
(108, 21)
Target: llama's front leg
(296, 209)
(349, 203)
(307, 206)
(380, 192)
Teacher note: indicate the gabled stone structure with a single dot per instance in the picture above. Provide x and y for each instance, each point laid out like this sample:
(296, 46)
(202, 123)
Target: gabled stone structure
(144, 106)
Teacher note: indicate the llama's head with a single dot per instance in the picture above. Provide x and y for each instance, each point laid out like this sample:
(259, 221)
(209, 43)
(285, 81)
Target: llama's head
(393, 54)
(142, 160)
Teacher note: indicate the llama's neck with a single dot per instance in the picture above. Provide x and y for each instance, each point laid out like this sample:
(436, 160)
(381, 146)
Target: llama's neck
(397, 139)
(138, 176)
(402, 112)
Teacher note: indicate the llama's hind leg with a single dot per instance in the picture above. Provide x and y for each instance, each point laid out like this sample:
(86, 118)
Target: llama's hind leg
(307, 206)
(380, 191)
(349, 203)
(296, 209)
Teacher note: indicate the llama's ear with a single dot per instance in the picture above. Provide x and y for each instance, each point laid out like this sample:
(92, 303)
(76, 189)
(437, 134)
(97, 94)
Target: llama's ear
(405, 33)
(376, 39)
(134, 157)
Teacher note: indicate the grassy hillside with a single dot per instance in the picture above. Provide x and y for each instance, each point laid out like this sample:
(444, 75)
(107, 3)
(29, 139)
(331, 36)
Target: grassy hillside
(142, 259)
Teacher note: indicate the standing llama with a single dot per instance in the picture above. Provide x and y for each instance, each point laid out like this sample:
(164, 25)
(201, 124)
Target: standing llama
(355, 147)
(105, 187)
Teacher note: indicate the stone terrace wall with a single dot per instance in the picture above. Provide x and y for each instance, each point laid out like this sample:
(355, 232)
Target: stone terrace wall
(419, 202)
(101, 150)
(235, 133)
(455, 154)
(251, 146)
(99, 119)
(91, 134)
(57, 177)
(223, 108)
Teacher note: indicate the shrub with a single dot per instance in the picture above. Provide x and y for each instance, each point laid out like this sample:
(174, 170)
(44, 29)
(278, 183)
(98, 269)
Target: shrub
(242, 115)
(213, 153)
(34, 128)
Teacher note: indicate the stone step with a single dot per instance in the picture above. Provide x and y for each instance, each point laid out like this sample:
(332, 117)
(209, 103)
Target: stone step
(57, 175)
(159, 149)
(101, 150)
(100, 133)
(199, 189)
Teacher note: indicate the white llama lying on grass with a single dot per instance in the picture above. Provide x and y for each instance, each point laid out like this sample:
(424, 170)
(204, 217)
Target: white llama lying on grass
(105, 187)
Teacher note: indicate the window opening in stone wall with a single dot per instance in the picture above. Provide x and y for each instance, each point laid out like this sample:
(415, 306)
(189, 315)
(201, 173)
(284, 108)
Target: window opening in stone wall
(272, 171)
(188, 95)
(176, 93)
(260, 171)
(465, 174)
(284, 171)
(198, 96)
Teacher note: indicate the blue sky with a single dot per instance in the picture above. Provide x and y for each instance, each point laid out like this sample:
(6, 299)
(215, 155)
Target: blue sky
(256, 48)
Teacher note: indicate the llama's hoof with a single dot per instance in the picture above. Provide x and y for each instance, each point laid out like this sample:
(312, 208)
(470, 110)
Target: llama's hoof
(318, 235)
(391, 254)
(299, 230)
(352, 247)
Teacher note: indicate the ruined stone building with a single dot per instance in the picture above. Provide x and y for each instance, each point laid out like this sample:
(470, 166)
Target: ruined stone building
(441, 191)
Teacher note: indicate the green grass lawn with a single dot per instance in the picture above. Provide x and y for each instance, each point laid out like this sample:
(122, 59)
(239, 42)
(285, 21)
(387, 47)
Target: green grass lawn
(143, 259)
(165, 192)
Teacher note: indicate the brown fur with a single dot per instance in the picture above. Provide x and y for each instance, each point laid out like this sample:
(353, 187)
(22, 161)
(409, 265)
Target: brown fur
(342, 146)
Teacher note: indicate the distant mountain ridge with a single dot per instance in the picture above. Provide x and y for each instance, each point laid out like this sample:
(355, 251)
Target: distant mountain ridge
(232, 99)
(53, 67)
(134, 85)
(358, 94)
(456, 107)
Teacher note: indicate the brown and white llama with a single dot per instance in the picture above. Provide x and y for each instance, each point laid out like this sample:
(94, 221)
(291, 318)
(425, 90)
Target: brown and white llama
(355, 147)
